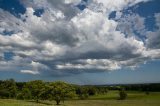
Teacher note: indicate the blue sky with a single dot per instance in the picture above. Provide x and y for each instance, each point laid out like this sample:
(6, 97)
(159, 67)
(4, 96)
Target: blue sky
(82, 42)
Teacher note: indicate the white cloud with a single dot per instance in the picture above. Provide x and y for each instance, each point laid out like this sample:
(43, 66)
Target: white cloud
(73, 1)
(29, 72)
(108, 6)
(64, 33)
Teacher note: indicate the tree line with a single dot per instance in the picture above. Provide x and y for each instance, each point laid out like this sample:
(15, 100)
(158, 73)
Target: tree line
(39, 90)
(60, 91)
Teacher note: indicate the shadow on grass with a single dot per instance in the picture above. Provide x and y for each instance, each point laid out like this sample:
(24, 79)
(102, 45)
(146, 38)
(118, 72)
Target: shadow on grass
(40, 102)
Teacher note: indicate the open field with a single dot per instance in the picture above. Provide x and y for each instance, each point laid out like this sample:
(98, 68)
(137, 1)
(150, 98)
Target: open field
(83, 103)
(132, 95)
(109, 99)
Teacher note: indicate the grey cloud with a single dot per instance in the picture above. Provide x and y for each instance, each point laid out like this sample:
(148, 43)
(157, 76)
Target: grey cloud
(8, 22)
(69, 10)
(67, 7)
(61, 33)
(153, 40)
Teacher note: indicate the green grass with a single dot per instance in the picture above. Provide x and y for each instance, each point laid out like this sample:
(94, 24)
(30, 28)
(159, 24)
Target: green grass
(111, 95)
(9, 102)
(132, 95)
(109, 99)
(12, 102)
(113, 103)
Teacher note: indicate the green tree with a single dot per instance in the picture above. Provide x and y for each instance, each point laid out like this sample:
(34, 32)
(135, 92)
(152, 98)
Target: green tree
(26, 93)
(91, 91)
(59, 91)
(82, 92)
(9, 87)
(35, 88)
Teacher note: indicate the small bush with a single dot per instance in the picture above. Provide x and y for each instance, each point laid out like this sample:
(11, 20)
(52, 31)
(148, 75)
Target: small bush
(122, 94)
(147, 92)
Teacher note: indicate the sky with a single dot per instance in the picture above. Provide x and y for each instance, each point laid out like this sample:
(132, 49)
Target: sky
(80, 41)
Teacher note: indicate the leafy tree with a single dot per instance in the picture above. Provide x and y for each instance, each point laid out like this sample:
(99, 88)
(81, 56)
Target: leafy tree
(102, 90)
(9, 88)
(59, 91)
(26, 93)
(45, 93)
(91, 91)
(82, 92)
(20, 85)
(35, 88)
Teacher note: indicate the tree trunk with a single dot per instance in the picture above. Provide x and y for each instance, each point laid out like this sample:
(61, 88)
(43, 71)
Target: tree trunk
(37, 100)
(57, 101)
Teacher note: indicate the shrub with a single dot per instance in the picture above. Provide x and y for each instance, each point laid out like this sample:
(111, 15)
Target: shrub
(147, 92)
(122, 94)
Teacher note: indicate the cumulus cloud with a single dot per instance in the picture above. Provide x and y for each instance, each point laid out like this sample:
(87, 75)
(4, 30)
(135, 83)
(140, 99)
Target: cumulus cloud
(65, 37)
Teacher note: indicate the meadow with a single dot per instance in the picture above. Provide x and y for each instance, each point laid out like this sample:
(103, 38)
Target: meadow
(134, 98)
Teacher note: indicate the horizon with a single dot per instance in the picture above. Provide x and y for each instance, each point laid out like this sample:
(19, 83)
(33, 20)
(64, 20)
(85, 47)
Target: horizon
(84, 42)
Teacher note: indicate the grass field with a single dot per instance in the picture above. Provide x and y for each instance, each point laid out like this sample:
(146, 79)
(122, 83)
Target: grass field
(132, 95)
(109, 99)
